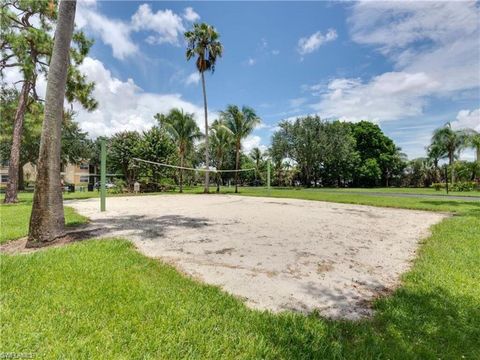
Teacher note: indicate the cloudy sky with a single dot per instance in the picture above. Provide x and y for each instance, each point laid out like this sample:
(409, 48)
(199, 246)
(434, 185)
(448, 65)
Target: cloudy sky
(409, 66)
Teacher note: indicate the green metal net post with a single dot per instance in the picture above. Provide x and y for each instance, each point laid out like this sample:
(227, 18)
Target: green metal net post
(103, 174)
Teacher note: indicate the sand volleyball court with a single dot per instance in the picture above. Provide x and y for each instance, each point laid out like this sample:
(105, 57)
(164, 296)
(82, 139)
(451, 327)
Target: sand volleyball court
(275, 254)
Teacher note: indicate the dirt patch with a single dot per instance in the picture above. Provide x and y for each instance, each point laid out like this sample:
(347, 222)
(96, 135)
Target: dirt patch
(324, 267)
(19, 246)
(290, 254)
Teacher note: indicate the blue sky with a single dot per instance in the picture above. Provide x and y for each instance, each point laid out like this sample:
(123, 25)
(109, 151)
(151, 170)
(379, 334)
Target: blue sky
(409, 66)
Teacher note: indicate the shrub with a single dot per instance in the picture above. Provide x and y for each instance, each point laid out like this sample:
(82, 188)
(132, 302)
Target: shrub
(464, 186)
(164, 184)
(119, 188)
(438, 186)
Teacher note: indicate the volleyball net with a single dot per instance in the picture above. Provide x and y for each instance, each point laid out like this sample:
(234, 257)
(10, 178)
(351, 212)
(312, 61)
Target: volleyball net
(210, 170)
(161, 176)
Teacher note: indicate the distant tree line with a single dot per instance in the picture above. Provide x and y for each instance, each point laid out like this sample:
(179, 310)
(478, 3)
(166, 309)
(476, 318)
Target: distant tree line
(312, 152)
(307, 151)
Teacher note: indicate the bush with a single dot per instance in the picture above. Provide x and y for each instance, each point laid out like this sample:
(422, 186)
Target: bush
(464, 186)
(119, 188)
(438, 186)
(164, 184)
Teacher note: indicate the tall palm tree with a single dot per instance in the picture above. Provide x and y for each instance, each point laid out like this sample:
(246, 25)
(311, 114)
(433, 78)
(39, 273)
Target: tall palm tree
(241, 123)
(474, 141)
(435, 153)
(184, 131)
(203, 43)
(47, 221)
(257, 156)
(451, 142)
(222, 142)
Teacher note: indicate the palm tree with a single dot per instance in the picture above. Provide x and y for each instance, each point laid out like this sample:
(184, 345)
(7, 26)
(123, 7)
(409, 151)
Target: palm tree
(257, 156)
(451, 142)
(241, 123)
(47, 221)
(222, 142)
(474, 141)
(435, 153)
(184, 131)
(203, 43)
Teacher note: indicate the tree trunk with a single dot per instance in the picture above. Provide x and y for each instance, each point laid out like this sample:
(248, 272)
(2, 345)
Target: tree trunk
(207, 155)
(47, 221)
(181, 173)
(237, 163)
(14, 165)
(219, 176)
(452, 170)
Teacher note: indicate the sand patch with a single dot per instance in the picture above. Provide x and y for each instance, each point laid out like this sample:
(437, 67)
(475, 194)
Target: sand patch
(276, 254)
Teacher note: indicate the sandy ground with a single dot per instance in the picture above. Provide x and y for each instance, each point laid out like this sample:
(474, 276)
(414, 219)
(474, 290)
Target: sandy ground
(275, 254)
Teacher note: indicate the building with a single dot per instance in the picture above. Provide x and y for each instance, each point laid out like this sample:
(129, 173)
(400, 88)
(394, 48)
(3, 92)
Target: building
(3, 175)
(80, 175)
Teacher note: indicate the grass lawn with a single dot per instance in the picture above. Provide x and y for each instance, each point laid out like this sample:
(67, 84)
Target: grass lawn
(102, 299)
(14, 220)
(399, 190)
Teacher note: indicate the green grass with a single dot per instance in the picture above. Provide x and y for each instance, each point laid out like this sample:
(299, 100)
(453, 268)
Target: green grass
(102, 299)
(389, 190)
(431, 204)
(399, 190)
(14, 220)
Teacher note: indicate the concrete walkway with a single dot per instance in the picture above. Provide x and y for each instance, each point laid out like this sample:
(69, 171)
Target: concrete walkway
(431, 196)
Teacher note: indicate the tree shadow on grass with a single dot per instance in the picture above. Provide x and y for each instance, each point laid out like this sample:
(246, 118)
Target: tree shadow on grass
(469, 208)
(409, 325)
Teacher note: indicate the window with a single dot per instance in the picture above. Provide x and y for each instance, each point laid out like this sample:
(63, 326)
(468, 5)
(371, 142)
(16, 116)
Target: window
(84, 179)
(84, 166)
(4, 178)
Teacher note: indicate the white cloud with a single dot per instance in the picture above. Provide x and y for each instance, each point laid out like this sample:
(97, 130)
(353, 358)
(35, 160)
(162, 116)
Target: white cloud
(389, 96)
(125, 106)
(164, 26)
(251, 61)
(193, 78)
(467, 119)
(395, 25)
(114, 33)
(275, 52)
(262, 125)
(440, 38)
(190, 15)
(165, 23)
(252, 141)
(434, 51)
(307, 45)
(12, 77)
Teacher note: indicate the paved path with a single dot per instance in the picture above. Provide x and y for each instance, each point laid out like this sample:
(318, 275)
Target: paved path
(431, 196)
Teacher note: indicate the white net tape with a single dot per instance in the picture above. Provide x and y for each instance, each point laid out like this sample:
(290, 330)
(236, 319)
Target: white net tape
(188, 168)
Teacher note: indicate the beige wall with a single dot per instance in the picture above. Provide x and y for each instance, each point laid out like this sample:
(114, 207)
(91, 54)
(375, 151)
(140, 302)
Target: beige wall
(3, 172)
(73, 173)
(29, 172)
